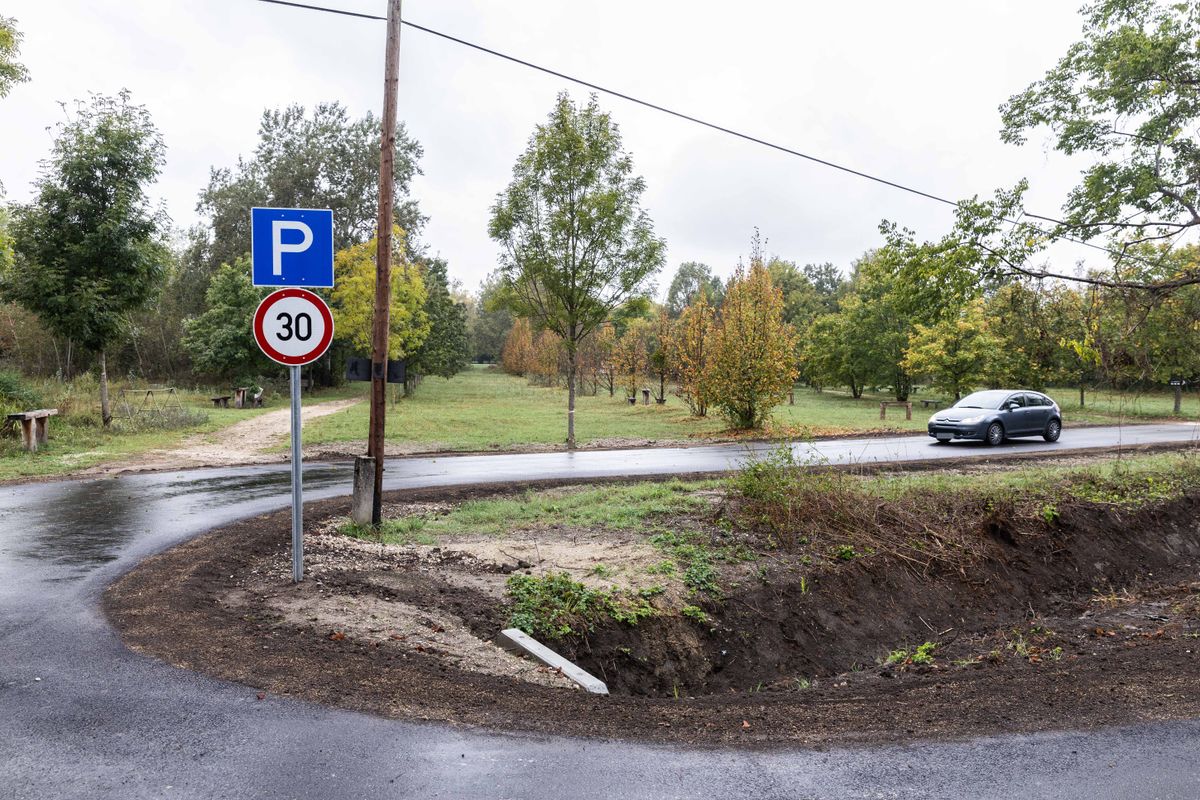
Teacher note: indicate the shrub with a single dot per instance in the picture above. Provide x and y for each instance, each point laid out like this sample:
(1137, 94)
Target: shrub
(554, 605)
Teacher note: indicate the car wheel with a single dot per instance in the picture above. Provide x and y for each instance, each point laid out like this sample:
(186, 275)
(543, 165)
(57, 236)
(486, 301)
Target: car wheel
(995, 434)
(1053, 431)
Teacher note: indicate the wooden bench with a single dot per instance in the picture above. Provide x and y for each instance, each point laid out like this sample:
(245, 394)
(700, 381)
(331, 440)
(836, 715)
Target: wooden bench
(222, 401)
(34, 425)
(934, 403)
(883, 406)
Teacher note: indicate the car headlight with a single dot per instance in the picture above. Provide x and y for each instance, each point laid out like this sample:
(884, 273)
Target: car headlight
(975, 420)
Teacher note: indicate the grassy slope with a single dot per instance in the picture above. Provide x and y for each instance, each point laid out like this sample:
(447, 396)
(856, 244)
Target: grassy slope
(1134, 479)
(484, 409)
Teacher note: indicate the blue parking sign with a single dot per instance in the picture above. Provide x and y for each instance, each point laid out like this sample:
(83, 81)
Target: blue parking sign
(291, 246)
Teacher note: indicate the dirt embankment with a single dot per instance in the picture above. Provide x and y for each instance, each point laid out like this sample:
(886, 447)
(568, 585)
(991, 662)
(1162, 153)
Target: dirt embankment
(1085, 616)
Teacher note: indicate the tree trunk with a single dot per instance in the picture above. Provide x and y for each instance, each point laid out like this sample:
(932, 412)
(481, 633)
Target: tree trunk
(570, 399)
(1081, 395)
(1178, 400)
(105, 411)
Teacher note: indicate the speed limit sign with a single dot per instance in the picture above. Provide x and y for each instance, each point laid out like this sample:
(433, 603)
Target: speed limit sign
(293, 326)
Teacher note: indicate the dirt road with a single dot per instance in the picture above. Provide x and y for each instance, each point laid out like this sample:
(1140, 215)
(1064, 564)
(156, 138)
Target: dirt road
(251, 441)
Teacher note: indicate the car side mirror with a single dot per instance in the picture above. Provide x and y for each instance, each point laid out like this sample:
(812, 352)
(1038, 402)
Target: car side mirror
(1010, 406)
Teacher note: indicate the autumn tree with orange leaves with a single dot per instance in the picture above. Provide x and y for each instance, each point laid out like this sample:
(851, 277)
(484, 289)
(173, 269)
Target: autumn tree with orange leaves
(516, 357)
(754, 350)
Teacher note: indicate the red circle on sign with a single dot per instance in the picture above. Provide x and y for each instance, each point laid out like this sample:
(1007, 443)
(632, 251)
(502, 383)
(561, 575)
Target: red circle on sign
(292, 360)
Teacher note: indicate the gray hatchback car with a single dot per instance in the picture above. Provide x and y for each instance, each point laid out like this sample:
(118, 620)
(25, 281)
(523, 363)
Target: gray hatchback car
(998, 414)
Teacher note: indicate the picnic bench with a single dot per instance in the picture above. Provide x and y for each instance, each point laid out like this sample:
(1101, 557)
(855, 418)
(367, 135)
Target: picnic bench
(221, 401)
(883, 407)
(243, 399)
(34, 426)
(934, 403)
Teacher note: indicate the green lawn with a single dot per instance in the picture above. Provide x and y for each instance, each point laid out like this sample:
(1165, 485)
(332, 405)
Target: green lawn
(485, 409)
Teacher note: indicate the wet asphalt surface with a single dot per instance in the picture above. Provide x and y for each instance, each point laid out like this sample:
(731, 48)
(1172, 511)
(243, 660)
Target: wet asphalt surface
(83, 717)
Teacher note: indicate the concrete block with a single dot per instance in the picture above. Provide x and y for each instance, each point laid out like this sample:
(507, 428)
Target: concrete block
(523, 644)
(364, 490)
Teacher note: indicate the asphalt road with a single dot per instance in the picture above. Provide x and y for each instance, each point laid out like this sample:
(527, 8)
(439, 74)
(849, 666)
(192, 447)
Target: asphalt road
(81, 716)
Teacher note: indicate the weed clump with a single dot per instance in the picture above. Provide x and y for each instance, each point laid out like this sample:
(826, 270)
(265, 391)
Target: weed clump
(554, 605)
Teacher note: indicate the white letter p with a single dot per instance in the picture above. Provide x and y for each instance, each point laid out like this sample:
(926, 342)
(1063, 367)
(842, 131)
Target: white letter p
(278, 248)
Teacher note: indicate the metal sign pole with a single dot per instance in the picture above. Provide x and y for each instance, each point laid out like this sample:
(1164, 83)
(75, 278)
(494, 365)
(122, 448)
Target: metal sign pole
(297, 484)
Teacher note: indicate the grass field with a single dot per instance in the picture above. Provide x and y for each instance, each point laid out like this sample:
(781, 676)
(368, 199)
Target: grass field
(485, 409)
(77, 440)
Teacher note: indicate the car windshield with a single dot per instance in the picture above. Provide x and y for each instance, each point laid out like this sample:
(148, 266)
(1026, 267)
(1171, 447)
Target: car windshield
(989, 399)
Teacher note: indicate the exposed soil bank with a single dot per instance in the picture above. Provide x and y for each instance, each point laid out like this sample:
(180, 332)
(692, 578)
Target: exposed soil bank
(1089, 619)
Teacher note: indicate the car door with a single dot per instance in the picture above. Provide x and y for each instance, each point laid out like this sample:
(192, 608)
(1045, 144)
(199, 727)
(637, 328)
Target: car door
(1016, 421)
(1039, 412)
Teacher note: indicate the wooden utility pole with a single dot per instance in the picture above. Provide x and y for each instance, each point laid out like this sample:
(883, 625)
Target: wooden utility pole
(383, 256)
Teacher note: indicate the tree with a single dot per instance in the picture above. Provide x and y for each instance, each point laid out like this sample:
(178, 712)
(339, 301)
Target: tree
(575, 244)
(630, 356)
(606, 368)
(658, 352)
(691, 353)
(219, 341)
(88, 249)
(353, 299)
(12, 71)
(322, 160)
(952, 352)
(490, 324)
(838, 350)
(1127, 94)
(690, 279)
(754, 352)
(445, 351)
(517, 355)
(801, 301)
(828, 281)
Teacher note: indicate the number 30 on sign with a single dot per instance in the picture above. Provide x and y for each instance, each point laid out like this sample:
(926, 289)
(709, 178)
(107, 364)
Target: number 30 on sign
(293, 326)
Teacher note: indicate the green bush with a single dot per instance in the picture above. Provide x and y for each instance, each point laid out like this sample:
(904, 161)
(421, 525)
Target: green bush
(16, 394)
(554, 605)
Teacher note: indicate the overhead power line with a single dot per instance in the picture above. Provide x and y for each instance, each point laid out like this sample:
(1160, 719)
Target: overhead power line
(687, 117)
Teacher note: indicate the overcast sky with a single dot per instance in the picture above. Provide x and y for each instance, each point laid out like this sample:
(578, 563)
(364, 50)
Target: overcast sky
(908, 91)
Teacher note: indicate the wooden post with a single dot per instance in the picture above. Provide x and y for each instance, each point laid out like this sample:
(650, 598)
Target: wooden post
(40, 425)
(28, 436)
(908, 410)
(883, 410)
(383, 255)
(792, 398)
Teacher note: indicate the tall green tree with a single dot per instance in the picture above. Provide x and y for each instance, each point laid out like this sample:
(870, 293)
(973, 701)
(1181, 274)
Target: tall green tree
(952, 352)
(690, 280)
(318, 159)
(489, 326)
(575, 242)
(12, 71)
(1127, 95)
(88, 249)
(219, 341)
(446, 350)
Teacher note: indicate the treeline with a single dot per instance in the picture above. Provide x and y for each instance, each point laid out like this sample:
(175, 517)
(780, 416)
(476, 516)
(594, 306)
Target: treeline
(897, 320)
(180, 311)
